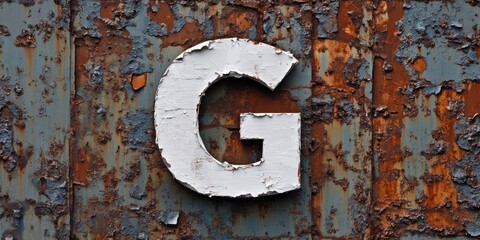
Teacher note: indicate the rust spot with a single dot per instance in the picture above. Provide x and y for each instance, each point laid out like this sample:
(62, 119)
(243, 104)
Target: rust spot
(81, 58)
(234, 22)
(87, 165)
(472, 105)
(241, 20)
(477, 51)
(4, 31)
(337, 53)
(104, 137)
(110, 183)
(387, 84)
(26, 39)
(107, 8)
(390, 187)
(349, 18)
(138, 81)
(242, 152)
(419, 65)
(163, 15)
(381, 17)
(223, 103)
(189, 35)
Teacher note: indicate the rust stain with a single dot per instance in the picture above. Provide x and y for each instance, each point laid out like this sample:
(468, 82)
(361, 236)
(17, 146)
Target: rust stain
(108, 7)
(419, 65)
(350, 13)
(393, 193)
(164, 14)
(240, 19)
(29, 54)
(110, 183)
(386, 83)
(138, 81)
(242, 152)
(318, 169)
(441, 194)
(381, 17)
(472, 105)
(80, 175)
(477, 51)
(189, 35)
(241, 96)
(338, 53)
(81, 58)
(86, 166)
(233, 22)
(390, 76)
(26, 40)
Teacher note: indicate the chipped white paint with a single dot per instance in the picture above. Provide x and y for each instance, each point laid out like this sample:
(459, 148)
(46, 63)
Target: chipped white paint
(176, 121)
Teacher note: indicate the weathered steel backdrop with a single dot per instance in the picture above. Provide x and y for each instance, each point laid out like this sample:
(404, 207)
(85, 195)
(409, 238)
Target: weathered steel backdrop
(388, 92)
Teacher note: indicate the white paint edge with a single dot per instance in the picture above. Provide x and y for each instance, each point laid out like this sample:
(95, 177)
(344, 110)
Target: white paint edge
(176, 120)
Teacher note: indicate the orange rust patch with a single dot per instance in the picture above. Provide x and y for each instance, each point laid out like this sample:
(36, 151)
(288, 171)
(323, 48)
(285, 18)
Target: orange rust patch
(237, 22)
(386, 84)
(472, 105)
(138, 81)
(29, 55)
(107, 8)
(477, 51)
(164, 15)
(331, 71)
(438, 193)
(381, 17)
(346, 26)
(389, 77)
(240, 96)
(447, 120)
(81, 58)
(241, 20)
(189, 35)
(419, 65)
(318, 175)
(443, 219)
(389, 190)
(80, 175)
(110, 183)
(85, 165)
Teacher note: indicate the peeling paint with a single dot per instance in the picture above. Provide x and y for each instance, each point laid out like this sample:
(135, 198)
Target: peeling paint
(425, 38)
(326, 13)
(172, 109)
(386, 91)
(169, 217)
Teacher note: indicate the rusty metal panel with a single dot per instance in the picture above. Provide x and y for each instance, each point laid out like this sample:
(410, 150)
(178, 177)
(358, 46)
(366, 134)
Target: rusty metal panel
(425, 142)
(340, 121)
(34, 119)
(121, 187)
(387, 92)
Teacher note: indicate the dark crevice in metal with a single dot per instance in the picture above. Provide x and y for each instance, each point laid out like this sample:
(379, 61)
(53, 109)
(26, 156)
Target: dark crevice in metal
(71, 168)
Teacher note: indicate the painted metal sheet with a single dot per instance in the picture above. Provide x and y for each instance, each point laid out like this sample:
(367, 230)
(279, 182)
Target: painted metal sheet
(386, 90)
(425, 159)
(34, 120)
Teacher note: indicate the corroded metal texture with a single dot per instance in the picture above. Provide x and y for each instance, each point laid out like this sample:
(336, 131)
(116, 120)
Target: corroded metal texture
(34, 120)
(387, 91)
(425, 154)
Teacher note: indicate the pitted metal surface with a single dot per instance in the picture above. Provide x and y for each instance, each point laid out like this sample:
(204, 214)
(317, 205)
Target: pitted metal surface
(387, 91)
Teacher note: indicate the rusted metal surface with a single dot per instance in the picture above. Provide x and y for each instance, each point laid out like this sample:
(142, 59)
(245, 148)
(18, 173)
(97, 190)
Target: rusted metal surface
(425, 166)
(387, 91)
(34, 119)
